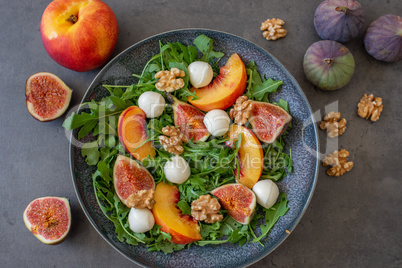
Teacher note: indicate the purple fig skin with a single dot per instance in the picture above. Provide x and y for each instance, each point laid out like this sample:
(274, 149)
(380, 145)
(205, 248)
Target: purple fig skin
(339, 20)
(329, 65)
(383, 38)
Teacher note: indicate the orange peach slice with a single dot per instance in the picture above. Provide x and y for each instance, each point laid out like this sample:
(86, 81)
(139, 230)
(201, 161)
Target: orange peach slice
(132, 133)
(251, 157)
(182, 228)
(223, 91)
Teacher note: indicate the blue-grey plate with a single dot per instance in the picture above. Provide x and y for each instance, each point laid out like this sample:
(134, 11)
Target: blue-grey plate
(302, 139)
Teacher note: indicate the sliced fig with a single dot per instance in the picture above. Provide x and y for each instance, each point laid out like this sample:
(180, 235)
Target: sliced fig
(49, 219)
(47, 96)
(268, 121)
(238, 200)
(339, 20)
(189, 119)
(129, 178)
(329, 65)
(383, 38)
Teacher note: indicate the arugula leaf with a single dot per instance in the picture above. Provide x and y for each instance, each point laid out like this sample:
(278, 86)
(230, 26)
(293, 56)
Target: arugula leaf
(272, 215)
(205, 45)
(90, 151)
(258, 88)
(184, 207)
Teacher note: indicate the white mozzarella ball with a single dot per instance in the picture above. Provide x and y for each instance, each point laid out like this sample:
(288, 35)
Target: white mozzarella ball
(177, 170)
(200, 73)
(140, 220)
(267, 193)
(217, 122)
(152, 104)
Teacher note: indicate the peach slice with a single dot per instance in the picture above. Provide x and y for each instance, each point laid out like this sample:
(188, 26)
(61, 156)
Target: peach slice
(251, 157)
(183, 228)
(223, 91)
(132, 133)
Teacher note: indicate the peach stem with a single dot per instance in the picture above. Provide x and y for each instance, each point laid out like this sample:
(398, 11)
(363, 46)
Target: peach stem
(73, 19)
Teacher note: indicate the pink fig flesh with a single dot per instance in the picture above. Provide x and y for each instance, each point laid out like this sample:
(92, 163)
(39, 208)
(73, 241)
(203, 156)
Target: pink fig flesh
(268, 121)
(238, 200)
(49, 219)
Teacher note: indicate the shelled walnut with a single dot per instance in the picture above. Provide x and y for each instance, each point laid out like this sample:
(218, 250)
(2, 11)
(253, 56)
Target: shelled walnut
(241, 110)
(206, 209)
(331, 124)
(339, 162)
(370, 106)
(273, 29)
(141, 199)
(173, 143)
(168, 80)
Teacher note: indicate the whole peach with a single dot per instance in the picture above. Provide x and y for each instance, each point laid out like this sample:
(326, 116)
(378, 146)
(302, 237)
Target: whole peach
(80, 34)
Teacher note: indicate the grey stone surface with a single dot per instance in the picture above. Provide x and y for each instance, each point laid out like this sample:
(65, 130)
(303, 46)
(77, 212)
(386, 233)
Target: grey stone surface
(352, 221)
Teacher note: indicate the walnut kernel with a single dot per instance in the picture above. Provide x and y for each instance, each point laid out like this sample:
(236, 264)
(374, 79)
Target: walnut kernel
(241, 110)
(331, 124)
(168, 80)
(141, 199)
(339, 162)
(206, 209)
(175, 140)
(273, 29)
(370, 106)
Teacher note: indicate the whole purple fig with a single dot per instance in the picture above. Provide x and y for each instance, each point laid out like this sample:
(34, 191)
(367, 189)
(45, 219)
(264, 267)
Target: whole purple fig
(339, 20)
(329, 65)
(383, 38)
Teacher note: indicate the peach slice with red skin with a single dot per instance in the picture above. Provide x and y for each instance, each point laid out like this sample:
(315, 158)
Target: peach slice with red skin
(182, 228)
(129, 178)
(250, 155)
(238, 200)
(269, 121)
(132, 133)
(223, 91)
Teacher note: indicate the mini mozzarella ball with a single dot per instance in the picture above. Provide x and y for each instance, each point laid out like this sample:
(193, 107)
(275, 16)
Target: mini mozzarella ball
(152, 104)
(200, 73)
(140, 220)
(267, 193)
(217, 122)
(177, 170)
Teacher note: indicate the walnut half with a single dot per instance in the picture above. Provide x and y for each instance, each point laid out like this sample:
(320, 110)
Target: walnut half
(173, 144)
(370, 106)
(169, 81)
(241, 110)
(339, 162)
(273, 29)
(206, 209)
(331, 124)
(141, 199)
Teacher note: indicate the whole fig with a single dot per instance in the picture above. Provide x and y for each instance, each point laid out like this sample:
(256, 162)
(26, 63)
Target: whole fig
(383, 38)
(329, 65)
(339, 20)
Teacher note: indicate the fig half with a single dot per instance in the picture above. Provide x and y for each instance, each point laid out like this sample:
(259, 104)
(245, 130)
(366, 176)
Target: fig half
(129, 178)
(47, 96)
(238, 200)
(49, 219)
(329, 65)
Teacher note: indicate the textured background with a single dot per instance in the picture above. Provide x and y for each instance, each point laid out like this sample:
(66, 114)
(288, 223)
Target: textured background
(352, 221)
